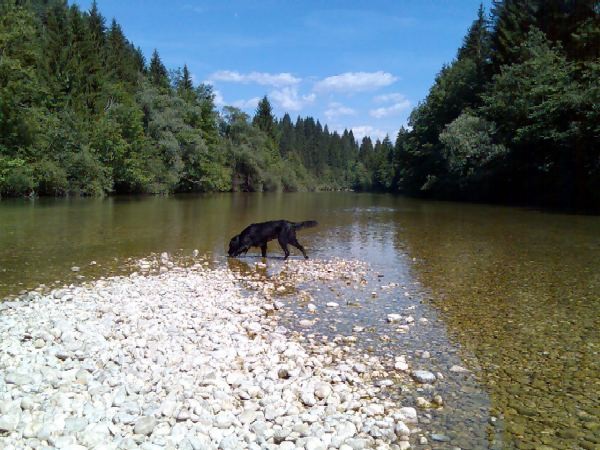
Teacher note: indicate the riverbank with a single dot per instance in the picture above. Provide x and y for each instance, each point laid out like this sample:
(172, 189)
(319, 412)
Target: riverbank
(182, 359)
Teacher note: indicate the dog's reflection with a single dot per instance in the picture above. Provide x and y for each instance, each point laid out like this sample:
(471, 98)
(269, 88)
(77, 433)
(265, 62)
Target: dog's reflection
(257, 268)
(241, 267)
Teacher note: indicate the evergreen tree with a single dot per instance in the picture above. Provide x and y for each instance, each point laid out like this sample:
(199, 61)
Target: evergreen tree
(287, 140)
(139, 61)
(56, 45)
(20, 87)
(157, 72)
(366, 150)
(209, 117)
(121, 59)
(401, 145)
(184, 85)
(383, 168)
(512, 20)
(97, 26)
(477, 48)
(263, 118)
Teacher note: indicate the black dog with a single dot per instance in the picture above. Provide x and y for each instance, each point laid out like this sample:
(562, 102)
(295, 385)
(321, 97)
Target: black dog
(258, 234)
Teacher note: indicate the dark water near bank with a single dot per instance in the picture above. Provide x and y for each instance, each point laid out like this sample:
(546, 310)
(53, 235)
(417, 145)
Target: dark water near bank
(511, 294)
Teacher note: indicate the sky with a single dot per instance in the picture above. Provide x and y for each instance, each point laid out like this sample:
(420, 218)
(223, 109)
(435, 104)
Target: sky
(360, 65)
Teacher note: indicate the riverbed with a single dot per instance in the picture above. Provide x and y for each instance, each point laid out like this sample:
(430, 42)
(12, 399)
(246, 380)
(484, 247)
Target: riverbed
(510, 295)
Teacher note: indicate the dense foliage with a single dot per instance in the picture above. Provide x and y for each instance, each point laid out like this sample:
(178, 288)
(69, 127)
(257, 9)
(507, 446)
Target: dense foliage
(81, 112)
(515, 117)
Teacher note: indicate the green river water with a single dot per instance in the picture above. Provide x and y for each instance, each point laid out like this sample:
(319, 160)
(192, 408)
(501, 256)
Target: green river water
(511, 294)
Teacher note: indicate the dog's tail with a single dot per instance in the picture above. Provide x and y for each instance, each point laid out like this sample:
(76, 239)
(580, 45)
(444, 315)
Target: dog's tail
(305, 224)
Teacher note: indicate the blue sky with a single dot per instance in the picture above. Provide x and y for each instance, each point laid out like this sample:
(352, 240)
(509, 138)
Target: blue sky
(351, 64)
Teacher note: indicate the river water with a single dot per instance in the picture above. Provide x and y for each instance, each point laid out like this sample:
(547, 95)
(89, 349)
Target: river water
(512, 295)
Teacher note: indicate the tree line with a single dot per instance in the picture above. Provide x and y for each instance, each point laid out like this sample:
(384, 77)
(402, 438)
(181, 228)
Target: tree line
(513, 118)
(82, 112)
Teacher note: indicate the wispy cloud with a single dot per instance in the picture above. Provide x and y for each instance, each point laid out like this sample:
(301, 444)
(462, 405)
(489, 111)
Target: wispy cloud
(262, 78)
(289, 99)
(246, 104)
(337, 109)
(355, 82)
(378, 113)
(396, 97)
(361, 131)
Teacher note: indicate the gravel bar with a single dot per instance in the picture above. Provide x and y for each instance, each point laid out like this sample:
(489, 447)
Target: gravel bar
(183, 359)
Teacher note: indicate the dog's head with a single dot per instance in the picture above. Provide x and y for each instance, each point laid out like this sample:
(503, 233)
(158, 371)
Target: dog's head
(235, 246)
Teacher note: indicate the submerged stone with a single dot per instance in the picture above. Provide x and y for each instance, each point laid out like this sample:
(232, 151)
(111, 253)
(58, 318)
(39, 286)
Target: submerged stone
(423, 376)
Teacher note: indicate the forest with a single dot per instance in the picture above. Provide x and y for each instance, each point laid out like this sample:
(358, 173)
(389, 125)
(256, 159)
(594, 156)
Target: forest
(513, 118)
(83, 113)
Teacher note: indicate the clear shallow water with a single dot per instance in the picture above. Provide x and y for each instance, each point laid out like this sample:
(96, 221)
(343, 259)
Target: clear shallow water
(512, 294)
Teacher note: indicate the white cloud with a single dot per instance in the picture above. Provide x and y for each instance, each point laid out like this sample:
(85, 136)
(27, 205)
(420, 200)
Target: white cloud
(378, 113)
(391, 97)
(289, 100)
(241, 104)
(355, 81)
(337, 109)
(246, 104)
(361, 131)
(262, 78)
(219, 100)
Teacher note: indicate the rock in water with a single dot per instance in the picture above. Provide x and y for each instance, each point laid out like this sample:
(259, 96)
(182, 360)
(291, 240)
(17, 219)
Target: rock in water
(440, 437)
(423, 376)
(393, 318)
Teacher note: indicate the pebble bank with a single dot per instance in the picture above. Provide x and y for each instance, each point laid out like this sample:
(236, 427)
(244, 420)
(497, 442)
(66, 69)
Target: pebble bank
(181, 359)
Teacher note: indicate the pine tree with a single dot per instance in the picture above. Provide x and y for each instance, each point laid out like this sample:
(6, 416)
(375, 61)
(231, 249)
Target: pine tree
(512, 20)
(476, 51)
(400, 148)
(186, 79)
(185, 85)
(121, 58)
(97, 26)
(84, 65)
(366, 150)
(286, 141)
(20, 87)
(157, 72)
(208, 115)
(263, 118)
(56, 47)
(139, 60)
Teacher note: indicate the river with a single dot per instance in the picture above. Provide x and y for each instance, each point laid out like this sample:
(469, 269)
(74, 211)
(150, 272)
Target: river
(511, 294)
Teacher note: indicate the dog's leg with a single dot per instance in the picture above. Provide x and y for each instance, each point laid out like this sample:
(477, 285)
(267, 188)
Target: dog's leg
(296, 244)
(263, 250)
(284, 247)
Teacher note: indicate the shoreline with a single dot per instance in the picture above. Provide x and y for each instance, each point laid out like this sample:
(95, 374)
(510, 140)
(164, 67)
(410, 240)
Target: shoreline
(181, 359)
